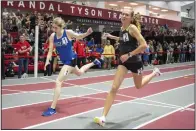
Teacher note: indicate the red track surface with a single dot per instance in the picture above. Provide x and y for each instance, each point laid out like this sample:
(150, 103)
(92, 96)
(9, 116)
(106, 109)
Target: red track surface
(21, 117)
(9, 92)
(51, 85)
(177, 120)
(30, 87)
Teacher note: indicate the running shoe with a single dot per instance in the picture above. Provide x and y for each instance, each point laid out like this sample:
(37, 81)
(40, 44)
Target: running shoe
(97, 62)
(100, 121)
(49, 112)
(157, 71)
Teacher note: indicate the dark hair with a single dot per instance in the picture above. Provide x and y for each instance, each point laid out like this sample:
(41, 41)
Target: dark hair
(136, 20)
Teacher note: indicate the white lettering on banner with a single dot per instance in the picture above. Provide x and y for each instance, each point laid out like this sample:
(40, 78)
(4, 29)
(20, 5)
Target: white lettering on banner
(99, 13)
(114, 15)
(97, 22)
(146, 21)
(21, 3)
(72, 7)
(93, 12)
(149, 20)
(86, 11)
(51, 7)
(157, 21)
(80, 10)
(109, 14)
(9, 2)
(120, 16)
(42, 5)
(59, 8)
(152, 21)
(32, 3)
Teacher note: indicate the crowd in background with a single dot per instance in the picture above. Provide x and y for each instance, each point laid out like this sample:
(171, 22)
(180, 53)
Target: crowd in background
(18, 38)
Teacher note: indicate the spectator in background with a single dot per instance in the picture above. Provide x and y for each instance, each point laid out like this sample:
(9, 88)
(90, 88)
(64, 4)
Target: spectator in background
(24, 49)
(77, 29)
(103, 37)
(188, 52)
(193, 50)
(117, 51)
(87, 50)
(159, 53)
(151, 49)
(146, 55)
(179, 51)
(182, 54)
(33, 19)
(32, 37)
(9, 38)
(49, 67)
(176, 53)
(99, 49)
(9, 48)
(95, 55)
(154, 45)
(3, 33)
(18, 20)
(42, 36)
(170, 54)
(79, 47)
(69, 24)
(18, 13)
(165, 49)
(91, 43)
(5, 13)
(3, 49)
(49, 29)
(103, 46)
(108, 53)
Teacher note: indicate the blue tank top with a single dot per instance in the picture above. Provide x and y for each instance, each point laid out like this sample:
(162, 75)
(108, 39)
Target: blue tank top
(63, 47)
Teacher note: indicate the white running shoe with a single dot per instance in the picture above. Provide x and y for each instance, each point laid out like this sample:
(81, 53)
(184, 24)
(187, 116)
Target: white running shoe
(100, 121)
(157, 71)
(25, 75)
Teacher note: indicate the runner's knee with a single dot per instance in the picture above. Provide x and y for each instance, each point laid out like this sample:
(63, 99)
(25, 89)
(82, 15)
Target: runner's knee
(58, 83)
(114, 89)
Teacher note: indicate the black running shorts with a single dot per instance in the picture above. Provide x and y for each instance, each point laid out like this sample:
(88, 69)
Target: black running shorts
(136, 67)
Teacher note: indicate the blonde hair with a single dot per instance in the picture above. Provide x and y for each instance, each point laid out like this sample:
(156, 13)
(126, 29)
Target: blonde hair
(136, 20)
(59, 22)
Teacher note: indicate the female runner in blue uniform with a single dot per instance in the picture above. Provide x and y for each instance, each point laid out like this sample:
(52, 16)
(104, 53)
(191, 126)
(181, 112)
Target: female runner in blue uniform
(131, 45)
(62, 40)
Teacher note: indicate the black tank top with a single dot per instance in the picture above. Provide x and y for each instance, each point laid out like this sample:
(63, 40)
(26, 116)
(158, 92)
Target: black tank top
(127, 44)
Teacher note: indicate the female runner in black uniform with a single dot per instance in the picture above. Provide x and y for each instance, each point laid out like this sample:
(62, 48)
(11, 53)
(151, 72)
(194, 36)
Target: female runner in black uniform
(131, 44)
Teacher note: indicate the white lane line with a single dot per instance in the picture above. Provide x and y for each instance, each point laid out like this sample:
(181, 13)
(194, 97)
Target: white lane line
(122, 94)
(3, 86)
(87, 94)
(51, 80)
(97, 98)
(63, 118)
(157, 118)
(91, 72)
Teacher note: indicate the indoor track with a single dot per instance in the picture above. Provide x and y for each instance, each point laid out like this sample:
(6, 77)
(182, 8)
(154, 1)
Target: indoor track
(166, 103)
